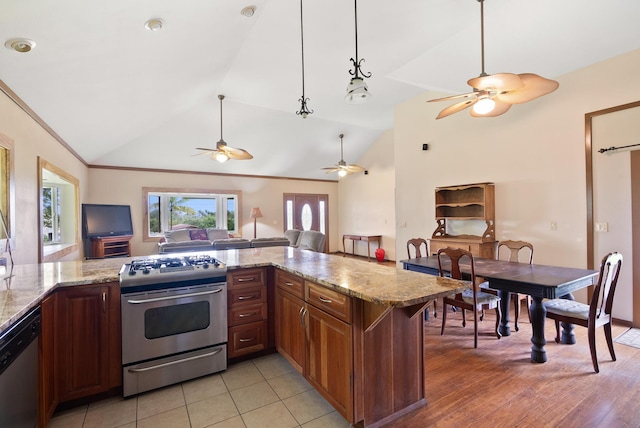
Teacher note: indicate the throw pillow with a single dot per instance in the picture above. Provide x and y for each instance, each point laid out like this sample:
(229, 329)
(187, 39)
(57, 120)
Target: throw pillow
(198, 235)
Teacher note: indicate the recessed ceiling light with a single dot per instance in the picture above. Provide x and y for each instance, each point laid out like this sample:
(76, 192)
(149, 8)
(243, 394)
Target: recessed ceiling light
(248, 11)
(20, 45)
(154, 24)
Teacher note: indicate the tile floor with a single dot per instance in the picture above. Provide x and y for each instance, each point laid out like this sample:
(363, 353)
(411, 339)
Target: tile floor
(263, 392)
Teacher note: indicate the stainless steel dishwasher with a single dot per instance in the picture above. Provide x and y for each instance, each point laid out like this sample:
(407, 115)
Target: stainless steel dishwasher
(19, 372)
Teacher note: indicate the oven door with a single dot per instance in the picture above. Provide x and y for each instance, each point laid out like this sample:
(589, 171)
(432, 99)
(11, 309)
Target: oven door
(164, 322)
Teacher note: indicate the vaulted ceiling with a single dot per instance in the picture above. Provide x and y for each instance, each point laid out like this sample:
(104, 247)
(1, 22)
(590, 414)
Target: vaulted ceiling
(119, 94)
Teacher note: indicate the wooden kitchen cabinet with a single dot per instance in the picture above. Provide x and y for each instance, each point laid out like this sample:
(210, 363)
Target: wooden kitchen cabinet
(329, 365)
(48, 391)
(88, 340)
(247, 312)
(289, 313)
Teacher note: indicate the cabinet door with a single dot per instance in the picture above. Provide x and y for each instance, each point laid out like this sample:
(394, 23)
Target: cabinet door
(290, 340)
(329, 360)
(85, 331)
(48, 397)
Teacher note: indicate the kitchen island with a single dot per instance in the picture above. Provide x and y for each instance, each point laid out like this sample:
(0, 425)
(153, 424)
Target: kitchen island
(386, 358)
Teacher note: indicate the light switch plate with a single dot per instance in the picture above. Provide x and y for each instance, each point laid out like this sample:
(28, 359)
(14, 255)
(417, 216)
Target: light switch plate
(602, 227)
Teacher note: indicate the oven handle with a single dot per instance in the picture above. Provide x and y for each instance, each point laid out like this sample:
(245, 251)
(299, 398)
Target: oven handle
(170, 363)
(179, 296)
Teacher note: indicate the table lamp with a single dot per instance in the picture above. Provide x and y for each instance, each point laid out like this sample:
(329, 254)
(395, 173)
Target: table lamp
(255, 214)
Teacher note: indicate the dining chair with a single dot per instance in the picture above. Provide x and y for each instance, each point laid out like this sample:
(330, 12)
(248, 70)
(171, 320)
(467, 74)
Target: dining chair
(473, 298)
(597, 313)
(416, 245)
(515, 250)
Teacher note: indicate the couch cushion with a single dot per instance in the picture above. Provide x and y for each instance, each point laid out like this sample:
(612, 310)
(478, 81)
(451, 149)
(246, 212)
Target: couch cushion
(181, 235)
(231, 243)
(214, 234)
(278, 241)
(198, 235)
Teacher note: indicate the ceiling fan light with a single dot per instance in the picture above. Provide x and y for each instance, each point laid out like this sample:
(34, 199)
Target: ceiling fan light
(357, 91)
(221, 157)
(342, 173)
(484, 105)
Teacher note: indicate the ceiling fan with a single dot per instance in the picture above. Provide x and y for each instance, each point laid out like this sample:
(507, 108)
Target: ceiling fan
(341, 167)
(493, 94)
(223, 152)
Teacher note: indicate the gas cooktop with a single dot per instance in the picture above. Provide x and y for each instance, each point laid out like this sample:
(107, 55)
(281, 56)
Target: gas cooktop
(174, 271)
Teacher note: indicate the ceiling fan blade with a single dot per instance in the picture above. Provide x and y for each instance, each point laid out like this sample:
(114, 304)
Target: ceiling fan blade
(497, 82)
(534, 86)
(500, 108)
(331, 169)
(236, 153)
(353, 168)
(454, 97)
(456, 108)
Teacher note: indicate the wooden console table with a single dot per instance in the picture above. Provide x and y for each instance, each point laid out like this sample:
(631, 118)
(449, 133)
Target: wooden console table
(354, 238)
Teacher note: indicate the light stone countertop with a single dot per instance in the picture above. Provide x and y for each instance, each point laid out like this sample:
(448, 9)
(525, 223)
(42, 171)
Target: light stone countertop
(28, 285)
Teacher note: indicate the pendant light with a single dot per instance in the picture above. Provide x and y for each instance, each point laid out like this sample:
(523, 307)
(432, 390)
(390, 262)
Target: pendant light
(304, 110)
(357, 90)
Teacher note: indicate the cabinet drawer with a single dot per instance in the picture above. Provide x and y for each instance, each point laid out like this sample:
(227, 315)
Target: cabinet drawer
(246, 277)
(242, 296)
(290, 283)
(247, 338)
(332, 302)
(242, 314)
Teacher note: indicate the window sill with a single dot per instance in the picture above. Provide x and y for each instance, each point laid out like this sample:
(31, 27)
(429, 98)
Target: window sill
(51, 253)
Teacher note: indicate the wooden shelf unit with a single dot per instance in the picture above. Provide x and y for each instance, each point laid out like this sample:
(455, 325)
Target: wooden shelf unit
(467, 203)
(111, 246)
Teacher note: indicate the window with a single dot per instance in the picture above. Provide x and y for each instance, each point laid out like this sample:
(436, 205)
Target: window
(168, 209)
(6, 194)
(59, 208)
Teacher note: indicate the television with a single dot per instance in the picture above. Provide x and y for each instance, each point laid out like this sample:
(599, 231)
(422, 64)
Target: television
(100, 220)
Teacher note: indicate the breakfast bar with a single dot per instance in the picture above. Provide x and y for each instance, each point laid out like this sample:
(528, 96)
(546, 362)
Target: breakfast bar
(383, 342)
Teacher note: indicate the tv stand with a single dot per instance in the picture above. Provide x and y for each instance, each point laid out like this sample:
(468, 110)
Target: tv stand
(111, 246)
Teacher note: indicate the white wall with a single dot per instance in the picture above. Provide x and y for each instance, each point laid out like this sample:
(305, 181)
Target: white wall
(109, 186)
(366, 202)
(30, 140)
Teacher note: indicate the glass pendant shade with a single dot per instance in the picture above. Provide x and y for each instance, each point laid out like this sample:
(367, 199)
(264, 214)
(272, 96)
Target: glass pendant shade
(357, 91)
(342, 173)
(221, 157)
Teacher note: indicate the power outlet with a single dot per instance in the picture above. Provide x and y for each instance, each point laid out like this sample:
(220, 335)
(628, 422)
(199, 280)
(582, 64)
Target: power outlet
(553, 225)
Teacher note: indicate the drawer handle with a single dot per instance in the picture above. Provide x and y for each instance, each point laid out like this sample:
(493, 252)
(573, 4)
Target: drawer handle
(323, 300)
(246, 279)
(289, 284)
(247, 340)
(251, 296)
(247, 315)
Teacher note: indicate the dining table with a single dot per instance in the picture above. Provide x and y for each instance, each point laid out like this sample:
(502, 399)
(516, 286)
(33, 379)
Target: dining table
(538, 281)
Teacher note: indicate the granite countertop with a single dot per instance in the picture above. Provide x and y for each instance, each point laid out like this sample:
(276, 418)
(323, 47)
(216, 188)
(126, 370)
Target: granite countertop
(28, 285)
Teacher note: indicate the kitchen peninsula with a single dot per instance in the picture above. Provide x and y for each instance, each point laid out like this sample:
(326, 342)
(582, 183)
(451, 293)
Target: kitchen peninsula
(385, 340)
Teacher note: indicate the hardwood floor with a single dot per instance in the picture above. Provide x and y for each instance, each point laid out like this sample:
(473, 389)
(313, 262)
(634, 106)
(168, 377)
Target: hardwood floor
(498, 385)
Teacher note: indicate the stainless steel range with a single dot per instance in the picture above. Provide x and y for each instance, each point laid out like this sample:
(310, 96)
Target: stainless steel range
(174, 320)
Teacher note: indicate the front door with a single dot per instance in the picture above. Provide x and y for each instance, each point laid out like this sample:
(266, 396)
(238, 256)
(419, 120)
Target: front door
(307, 212)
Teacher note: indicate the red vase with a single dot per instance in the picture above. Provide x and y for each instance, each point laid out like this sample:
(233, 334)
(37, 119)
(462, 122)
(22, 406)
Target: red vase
(380, 254)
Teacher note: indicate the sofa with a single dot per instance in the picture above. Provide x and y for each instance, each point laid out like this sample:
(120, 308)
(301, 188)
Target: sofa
(193, 239)
(306, 239)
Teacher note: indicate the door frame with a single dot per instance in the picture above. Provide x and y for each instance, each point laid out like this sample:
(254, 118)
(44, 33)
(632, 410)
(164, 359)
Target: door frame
(592, 259)
(321, 197)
